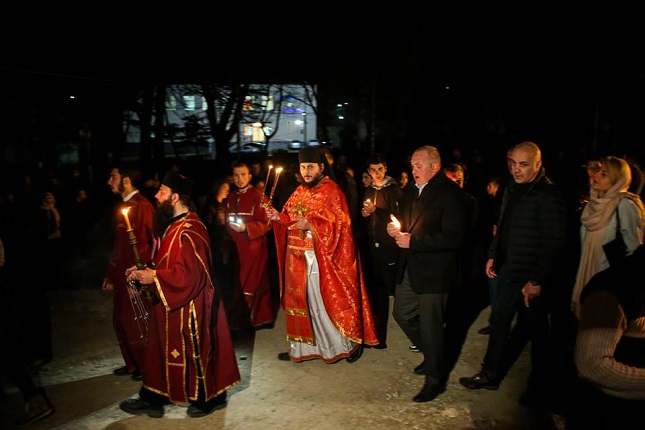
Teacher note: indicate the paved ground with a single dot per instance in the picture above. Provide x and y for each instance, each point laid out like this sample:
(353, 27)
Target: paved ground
(373, 393)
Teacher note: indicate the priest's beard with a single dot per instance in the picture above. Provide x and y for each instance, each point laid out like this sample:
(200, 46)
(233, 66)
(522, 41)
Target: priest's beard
(314, 182)
(163, 216)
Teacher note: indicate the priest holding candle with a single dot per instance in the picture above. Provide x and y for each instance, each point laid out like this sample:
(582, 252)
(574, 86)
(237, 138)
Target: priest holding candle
(134, 217)
(190, 359)
(252, 303)
(322, 289)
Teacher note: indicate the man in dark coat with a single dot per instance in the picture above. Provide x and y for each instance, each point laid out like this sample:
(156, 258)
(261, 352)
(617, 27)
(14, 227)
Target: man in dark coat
(431, 232)
(523, 257)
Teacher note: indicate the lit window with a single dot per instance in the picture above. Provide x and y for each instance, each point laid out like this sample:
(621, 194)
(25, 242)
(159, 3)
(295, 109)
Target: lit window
(189, 102)
(267, 103)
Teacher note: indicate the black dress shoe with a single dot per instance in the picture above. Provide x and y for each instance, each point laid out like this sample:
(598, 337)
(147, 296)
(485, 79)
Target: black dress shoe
(141, 407)
(484, 330)
(284, 356)
(483, 379)
(198, 411)
(121, 371)
(137, 376)
(429, 393)
(420, 369)
(414, 348)
(356, 354)
(267, 326)
(533, 398)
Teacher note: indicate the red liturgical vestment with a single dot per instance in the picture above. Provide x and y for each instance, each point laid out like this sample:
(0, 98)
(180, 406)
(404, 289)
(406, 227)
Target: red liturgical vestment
(189, 337)
(341, 283)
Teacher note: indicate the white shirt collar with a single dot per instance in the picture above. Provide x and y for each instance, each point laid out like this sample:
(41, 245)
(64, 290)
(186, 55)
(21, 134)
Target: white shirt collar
(129, 196)
(420, 187)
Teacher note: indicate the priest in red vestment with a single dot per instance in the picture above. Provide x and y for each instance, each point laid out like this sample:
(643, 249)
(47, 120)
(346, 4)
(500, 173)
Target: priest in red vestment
(190, 358)
(322, 290)
(246, 224)
(129, 311)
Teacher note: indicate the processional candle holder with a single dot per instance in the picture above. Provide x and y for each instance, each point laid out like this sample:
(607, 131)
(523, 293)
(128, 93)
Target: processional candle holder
(266, 181)
(141, 289)
(269, 204)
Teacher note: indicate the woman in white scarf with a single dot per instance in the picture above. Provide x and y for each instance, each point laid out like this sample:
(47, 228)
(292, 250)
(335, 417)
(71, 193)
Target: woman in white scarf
(608, 191)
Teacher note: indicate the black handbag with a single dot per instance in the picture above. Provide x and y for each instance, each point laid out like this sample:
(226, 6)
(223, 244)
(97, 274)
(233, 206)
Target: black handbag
(616, 250)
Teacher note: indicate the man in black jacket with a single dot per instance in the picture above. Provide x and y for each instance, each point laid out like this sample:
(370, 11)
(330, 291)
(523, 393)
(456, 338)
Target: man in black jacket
(430, 233)
(522, 256)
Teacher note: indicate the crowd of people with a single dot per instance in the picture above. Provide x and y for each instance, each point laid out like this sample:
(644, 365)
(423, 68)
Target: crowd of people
(434, 242)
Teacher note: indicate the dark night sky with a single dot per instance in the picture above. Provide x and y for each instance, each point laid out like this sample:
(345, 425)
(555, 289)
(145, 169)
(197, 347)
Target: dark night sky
(542, 62)
(483, 42)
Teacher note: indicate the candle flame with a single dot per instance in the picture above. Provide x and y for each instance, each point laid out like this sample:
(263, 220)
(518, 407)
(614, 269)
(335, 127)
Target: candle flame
(275, 183)
(395, 221)
(124, 211)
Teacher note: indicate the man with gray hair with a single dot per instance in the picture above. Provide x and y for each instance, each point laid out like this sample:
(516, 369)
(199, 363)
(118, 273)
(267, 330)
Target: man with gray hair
(430, 233)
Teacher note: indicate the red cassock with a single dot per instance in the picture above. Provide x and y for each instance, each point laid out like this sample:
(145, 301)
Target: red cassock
(252, 303)
(189, 336)
(129, 325)
(341, 282)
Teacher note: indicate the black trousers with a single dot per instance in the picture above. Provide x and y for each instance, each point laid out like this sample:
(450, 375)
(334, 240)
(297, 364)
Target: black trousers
(421, 318)
(506, 345)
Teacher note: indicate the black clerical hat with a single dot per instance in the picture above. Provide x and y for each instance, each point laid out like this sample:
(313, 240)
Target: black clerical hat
(177, 182)
(311, 155)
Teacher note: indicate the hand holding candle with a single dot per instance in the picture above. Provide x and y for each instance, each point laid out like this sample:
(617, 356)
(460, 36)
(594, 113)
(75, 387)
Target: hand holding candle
(395, 222)
(368, 208)
(393, 227)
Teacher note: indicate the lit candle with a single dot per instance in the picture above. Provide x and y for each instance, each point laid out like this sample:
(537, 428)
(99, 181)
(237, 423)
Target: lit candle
(266, 182)
(275, 182)
(395, 221)
(127, 220)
